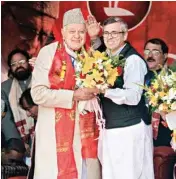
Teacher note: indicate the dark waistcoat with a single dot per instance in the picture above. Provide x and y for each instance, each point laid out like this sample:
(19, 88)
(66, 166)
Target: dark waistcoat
(124, 115)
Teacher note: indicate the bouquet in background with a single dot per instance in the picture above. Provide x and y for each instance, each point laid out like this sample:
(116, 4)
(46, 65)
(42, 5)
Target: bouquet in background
(162, 91)
(161, 95)
(96, 69)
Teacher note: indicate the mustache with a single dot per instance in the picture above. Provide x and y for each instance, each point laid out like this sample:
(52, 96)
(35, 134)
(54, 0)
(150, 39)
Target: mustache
(150, 59)
(19, 68)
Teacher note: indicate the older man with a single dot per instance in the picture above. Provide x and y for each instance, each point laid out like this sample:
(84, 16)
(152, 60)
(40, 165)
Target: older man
(155, 54)
(65, 140)
(127, 140)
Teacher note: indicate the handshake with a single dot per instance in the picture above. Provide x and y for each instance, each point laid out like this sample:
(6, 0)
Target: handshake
(82, 94)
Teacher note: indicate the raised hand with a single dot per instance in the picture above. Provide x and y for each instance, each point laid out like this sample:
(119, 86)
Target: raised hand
(93, 27)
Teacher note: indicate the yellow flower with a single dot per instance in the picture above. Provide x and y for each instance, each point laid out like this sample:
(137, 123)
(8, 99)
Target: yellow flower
(97, 75)
(89, 82)
(162, 94)
(64, 67)
(99, 55)
(87, 66)
(86, 55)
(153, 100)
(164, 107)
(62, 75)
(112, 75)
(155, 84)
(108, 66)
(80, 57)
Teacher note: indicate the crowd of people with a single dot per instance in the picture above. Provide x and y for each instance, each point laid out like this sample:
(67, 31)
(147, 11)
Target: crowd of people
(38, 106)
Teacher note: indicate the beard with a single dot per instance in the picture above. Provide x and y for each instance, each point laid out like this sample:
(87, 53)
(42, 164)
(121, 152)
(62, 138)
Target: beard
(23, 74)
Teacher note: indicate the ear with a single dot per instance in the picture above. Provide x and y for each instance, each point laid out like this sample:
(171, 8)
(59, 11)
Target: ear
(165, 55)
(63, 33)
(125, 36)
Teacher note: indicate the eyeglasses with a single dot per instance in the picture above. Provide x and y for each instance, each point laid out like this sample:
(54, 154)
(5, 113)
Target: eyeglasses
(113, 34)
(28, 32)
(21, 62)
(153, 52)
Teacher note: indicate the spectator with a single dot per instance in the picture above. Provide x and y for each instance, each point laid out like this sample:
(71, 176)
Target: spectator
(32, 24)
(27, 103)
(16, 124)
(155, 54)
(12, 150)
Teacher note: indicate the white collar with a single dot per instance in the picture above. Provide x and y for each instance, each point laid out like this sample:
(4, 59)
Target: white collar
(117, 52)
(69, 51)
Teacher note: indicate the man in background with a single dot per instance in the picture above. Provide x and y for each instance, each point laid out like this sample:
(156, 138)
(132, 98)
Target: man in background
(32, 24)
(12, 150)
(16, 125)
(27, 103)
(155, 54)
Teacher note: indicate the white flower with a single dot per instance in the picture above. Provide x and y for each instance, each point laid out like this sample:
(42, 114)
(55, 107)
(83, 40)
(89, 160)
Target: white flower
(79, 82)
(100, 66)
(173, 106)
(169, 80)
(105, 73)
(99, 61)
(172, 93)
(104, 86)
(78, 67)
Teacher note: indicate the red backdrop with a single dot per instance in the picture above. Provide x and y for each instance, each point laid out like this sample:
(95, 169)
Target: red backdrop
(149, 20)
(160, 21)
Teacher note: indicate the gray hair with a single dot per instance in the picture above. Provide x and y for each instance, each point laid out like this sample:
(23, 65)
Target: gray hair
(111, 20)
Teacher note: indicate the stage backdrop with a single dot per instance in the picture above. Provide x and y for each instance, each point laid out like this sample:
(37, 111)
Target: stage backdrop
(31, 25)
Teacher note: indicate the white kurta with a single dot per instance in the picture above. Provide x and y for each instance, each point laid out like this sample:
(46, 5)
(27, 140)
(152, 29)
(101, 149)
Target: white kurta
(48, 99)
(127, 153)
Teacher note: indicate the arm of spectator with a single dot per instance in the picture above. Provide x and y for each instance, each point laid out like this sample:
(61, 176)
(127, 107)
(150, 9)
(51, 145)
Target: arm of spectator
(8, 126)
(14, 150)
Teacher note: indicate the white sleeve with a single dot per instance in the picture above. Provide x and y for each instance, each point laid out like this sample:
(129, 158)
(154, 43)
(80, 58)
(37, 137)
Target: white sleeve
(96, 43)
(40, 90)
(134, 73)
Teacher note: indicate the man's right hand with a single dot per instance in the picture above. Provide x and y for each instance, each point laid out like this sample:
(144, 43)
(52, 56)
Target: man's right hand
(32, 61)
(93, 27)
(83, 94)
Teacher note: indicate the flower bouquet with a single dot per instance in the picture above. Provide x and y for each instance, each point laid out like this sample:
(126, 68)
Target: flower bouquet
(161, 95)
(96, 69)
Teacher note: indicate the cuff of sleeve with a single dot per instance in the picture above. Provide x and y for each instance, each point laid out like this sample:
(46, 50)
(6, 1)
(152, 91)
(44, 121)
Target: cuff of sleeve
(106, 94)
(96, 43)
(66, 100)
